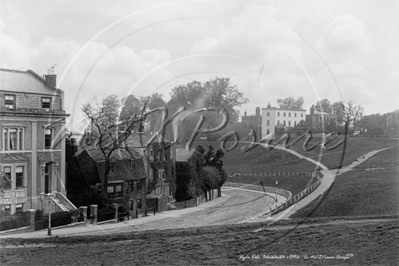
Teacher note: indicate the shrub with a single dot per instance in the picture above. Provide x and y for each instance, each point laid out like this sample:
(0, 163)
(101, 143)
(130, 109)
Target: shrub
(105, 214)
(19, 219)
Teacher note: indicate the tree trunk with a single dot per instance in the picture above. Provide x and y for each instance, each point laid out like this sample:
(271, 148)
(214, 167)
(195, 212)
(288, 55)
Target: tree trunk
(105, 182)
(219, 191)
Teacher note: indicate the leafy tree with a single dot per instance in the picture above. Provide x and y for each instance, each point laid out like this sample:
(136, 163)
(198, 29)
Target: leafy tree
(103, 116)
(152, 102)
(5, 181)
(216, 92)
(301, 127)
(290, 103)
(324, 106)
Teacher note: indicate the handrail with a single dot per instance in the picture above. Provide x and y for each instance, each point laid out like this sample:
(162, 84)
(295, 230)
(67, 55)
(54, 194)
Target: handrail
(56, 203)
(59, 195)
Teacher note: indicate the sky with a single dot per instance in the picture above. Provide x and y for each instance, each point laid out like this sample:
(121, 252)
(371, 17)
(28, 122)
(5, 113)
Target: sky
(339, 50)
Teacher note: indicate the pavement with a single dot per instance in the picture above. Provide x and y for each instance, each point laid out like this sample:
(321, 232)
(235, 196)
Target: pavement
(89, 228)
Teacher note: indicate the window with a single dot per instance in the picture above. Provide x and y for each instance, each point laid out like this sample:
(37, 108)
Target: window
(268, 122)
(295, 123)
(157, 191)
(161, 174)
(7, 173)
(110, 190)
(278, 113)
(268, 132)
(10, 102)
(13, 138)
(112, 167)
(289, 114)
(132, 164)
(151, 155)
(301, 115)
(284, 123)
(151, 174)
(284, 113)
(47, 138)
(268, 114)
(289, 123)
(18, 207)
(119, 192)
(46, 103)
(19, 177)
(278, 122)
(295, 114)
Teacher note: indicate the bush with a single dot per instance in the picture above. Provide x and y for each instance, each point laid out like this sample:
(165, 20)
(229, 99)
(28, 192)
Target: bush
(57, 219)
(105, 214)
(19, 219)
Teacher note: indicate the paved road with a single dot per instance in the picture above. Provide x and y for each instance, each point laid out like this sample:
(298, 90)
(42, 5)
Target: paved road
(240, 205)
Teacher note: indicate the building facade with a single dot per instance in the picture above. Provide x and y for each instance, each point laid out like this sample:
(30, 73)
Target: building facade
(32, 143)
(273, 117)
(316, 119)
(253, 121)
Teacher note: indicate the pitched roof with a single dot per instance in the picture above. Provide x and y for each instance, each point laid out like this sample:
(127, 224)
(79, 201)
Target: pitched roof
(182, 154)
(23, 81)
(120, 154)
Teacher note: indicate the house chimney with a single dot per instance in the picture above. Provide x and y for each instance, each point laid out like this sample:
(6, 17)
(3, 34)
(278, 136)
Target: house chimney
(51, 81)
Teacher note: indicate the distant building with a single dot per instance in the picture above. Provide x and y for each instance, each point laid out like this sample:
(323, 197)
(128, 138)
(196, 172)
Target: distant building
(253, 121)
(32, 144)
(316, 119)
(273, 117)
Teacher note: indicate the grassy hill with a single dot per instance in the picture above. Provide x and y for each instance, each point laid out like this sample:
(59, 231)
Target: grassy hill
(371, 189)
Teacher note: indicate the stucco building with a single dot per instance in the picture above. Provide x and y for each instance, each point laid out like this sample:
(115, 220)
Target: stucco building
(273, 117)
(32, 144)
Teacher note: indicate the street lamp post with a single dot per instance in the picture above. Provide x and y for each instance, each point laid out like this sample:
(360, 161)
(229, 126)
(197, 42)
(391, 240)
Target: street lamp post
(49, 214)
(276, 190)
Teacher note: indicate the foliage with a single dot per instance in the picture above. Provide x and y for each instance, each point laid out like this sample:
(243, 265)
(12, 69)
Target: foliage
(290, 103)
(324, 106)
(5, 181)
(19, 219)
(216, 92)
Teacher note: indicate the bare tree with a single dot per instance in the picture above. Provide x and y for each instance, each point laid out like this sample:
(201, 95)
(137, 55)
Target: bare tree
(105, 133)
(352, 114)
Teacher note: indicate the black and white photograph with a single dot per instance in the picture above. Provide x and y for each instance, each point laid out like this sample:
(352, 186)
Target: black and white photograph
(199, 132)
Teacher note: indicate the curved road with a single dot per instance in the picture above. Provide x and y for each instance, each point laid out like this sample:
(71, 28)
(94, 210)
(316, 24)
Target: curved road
(240, 206)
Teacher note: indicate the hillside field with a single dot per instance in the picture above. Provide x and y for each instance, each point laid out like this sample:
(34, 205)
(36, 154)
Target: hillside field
(371, 189)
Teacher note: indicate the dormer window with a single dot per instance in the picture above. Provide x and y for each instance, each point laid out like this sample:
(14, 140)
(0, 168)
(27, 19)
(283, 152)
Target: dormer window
(10, 102)
(46, 104)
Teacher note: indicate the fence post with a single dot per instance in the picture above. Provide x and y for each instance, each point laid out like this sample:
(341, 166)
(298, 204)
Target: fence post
(116, 212)
(32, 213)
(93, 213)
(84, 212)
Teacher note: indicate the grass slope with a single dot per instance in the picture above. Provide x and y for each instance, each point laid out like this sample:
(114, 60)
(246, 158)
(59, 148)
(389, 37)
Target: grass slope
(371, 189)
(368, 242)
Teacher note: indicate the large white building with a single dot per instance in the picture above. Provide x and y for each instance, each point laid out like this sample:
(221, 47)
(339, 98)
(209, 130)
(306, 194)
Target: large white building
(273, 116)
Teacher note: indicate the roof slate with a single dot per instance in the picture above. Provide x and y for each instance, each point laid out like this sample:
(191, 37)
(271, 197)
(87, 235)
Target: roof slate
(23, 81)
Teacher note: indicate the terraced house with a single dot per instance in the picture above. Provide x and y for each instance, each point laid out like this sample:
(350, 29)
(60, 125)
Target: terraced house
(32, 145)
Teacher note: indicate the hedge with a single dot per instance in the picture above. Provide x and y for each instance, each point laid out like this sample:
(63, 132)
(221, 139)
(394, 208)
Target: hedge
(19, 219)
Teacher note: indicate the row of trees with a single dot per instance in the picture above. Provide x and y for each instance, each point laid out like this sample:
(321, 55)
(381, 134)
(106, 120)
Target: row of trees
(202, 173)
